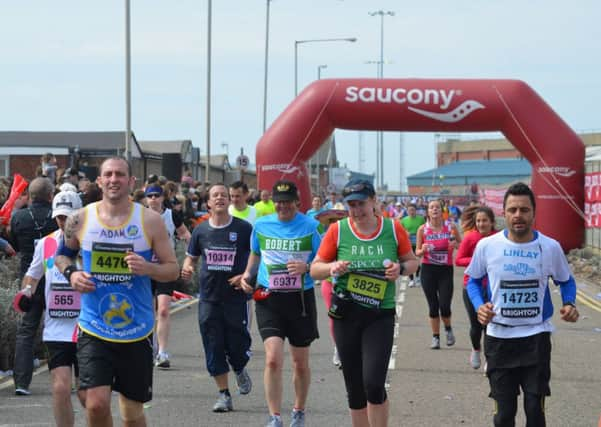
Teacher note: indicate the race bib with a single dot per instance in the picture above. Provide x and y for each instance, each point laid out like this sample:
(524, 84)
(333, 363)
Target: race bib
(280, 280)
(63, 302)
(109, 258)
(367, 288)
(221, 259)
(519, 299)
(439, 257)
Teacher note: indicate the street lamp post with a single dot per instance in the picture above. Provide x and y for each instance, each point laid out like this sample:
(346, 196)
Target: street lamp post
(380, 151)
(319, 68)
(266, 65)
(318, 166)
(208, 118)
(296, 43)
(127, 83)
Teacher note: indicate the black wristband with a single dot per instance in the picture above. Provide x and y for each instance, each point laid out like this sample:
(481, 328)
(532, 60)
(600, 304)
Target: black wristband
(69, 271)
(570, 303)
(402, 270)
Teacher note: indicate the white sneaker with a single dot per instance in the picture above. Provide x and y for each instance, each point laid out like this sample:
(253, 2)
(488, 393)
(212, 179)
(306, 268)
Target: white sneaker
(418, 282)
(475, 359)
(411, 284)
(162, 360)
(336, 358)
(435, 343)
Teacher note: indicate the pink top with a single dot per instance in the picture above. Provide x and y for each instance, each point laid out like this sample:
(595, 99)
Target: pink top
(442, 250)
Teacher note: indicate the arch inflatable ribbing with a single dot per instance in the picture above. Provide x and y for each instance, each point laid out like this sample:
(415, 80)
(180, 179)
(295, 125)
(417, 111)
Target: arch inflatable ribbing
(418, 105)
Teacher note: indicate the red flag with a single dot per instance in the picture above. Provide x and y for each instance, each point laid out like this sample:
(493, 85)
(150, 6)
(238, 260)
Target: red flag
(19, 184)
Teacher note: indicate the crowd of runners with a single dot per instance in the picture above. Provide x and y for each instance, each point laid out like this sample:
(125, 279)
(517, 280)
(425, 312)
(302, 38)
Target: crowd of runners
(98, 264)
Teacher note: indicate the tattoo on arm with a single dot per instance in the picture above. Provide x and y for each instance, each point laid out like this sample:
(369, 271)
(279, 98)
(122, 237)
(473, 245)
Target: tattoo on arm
(71, 226)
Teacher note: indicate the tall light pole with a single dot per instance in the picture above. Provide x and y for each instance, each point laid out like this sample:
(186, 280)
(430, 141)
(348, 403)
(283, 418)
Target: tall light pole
(318, 166)
(208, 118)
(319, 68)
(381, 14)
(297, 42)
(266, 64)
(127, 83)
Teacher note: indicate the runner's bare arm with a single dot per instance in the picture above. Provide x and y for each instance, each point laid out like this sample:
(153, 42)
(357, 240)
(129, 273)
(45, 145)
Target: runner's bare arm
(167, 269)
(68, 249)
(183, 233)
(188, 267)
(410, 263)
(251, 269)
(321, 269)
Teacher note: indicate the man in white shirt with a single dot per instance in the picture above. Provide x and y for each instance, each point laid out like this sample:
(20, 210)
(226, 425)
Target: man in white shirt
(517, 308)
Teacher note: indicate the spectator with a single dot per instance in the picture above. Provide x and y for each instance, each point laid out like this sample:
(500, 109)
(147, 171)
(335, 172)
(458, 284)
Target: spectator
(27, 225)
(332, 200)
(265, 206)
(6, 247)
(92, 194)
(239, 208)
(73, 175)
(49, 167)
(316, 206)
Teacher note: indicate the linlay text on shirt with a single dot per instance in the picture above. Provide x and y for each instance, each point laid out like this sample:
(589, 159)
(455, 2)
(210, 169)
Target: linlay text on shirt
(520, 253)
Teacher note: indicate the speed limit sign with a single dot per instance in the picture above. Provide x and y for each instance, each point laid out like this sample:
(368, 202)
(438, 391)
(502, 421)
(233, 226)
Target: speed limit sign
(242, 161)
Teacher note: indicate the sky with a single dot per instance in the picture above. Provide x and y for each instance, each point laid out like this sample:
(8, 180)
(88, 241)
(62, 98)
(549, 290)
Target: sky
(62, 64)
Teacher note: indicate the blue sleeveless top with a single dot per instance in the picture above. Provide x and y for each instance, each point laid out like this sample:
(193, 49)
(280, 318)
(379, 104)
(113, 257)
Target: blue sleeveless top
(120, 309)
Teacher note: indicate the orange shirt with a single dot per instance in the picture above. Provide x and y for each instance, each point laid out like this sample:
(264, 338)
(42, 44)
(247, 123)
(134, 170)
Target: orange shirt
(328, 249)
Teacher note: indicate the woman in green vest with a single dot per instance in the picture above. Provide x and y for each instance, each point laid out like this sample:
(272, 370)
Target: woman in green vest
(365, 254)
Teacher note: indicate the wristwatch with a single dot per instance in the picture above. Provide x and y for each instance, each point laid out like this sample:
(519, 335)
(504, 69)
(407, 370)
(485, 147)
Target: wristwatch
(570, 303)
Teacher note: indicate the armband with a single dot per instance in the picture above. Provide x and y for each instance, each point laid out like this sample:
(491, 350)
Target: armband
(69, 271)
(64, 250)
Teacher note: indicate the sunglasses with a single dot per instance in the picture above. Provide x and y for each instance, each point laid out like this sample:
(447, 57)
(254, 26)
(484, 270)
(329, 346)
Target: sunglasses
(358, 188)
(153, 195)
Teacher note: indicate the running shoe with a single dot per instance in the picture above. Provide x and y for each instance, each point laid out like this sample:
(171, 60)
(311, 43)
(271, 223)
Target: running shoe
(411, 284)
(297, 418)
(274, 421)
(223, 403)
(22, 391)
(162, 360)
(418, 282)
(336, 358)
(450, 338)
(435, 343)
(244, 382)
(475, 359)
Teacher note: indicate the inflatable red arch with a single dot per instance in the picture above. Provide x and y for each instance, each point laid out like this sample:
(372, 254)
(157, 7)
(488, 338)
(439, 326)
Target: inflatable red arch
(555, 152)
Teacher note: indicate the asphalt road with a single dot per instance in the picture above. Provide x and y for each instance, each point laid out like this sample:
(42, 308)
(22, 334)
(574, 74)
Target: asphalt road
(426, 387)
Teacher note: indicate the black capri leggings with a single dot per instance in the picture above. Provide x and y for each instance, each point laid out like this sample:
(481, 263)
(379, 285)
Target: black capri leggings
(476, 327)
(437, 283)
(364, 342)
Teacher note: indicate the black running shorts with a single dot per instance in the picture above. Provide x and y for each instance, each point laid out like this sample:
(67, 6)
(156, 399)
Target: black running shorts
(281, 315)
(126, 367)
(62, 353)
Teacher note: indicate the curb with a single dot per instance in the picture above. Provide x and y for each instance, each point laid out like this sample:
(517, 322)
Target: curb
(585, 297)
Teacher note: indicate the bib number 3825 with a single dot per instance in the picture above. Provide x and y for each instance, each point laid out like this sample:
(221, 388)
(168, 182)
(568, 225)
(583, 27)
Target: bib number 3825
(367, 289)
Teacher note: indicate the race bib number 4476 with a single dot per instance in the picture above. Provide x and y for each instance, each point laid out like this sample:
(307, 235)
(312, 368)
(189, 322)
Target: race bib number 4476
(110, 258)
